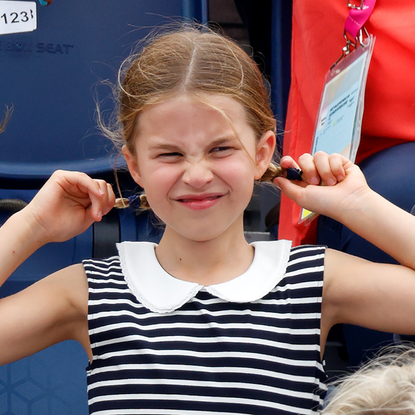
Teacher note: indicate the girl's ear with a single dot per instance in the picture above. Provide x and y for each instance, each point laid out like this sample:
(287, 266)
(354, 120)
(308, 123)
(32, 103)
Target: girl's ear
(265, 153)
(132, 165)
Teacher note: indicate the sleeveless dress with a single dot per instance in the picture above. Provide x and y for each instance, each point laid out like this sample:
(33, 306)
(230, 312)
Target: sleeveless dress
(165, 346)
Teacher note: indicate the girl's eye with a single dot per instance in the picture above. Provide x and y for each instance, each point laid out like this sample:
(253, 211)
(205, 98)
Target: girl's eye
(222, 151)
(171, 155)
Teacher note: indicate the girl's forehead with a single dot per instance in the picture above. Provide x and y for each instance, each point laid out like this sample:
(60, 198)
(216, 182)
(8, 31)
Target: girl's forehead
(184, 112)
(215, 103)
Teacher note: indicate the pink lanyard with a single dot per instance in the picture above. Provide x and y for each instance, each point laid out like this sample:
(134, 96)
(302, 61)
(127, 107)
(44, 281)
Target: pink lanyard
(354, 26)
(358, 16)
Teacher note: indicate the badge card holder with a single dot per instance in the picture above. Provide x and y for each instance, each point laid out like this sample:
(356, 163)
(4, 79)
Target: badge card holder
(339, 119)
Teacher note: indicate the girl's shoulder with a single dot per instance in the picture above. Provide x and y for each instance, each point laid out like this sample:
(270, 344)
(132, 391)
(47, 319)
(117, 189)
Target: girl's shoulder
(306, 265)
(308, 250)
(51, 310)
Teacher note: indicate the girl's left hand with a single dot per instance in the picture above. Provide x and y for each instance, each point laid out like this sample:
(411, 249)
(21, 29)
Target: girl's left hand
(330, 183)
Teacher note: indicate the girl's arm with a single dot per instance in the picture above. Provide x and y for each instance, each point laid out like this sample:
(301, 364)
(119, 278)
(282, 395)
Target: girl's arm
(51, 310)
(378, 296)
(55, 308)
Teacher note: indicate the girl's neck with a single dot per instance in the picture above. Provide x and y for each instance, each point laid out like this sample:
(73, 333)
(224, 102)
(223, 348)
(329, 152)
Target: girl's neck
(210, 262)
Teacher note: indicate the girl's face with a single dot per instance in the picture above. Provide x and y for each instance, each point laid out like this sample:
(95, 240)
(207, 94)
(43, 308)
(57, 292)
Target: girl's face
(198, 169)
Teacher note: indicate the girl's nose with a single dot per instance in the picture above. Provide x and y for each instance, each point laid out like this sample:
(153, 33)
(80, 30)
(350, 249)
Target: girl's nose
(197, 174)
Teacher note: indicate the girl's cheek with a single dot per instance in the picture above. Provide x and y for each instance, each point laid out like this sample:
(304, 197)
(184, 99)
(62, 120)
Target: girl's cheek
(237, 167)
(164, 173)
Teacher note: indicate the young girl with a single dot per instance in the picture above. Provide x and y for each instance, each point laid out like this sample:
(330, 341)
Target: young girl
(203, 322)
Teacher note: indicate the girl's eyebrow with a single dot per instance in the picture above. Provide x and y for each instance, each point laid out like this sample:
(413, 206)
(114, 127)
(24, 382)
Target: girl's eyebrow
(173, 147)
(222, 140)
(165, 147)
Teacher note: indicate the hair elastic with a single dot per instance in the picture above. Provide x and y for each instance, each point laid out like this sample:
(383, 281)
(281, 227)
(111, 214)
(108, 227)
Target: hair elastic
(294, 174)
(126, 202)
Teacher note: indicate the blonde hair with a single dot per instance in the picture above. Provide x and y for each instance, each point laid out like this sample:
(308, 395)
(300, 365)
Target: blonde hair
(196, 61)
(384, 386)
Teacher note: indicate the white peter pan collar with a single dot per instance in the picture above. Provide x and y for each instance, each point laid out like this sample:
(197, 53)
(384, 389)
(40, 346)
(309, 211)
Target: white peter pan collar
(162, 293)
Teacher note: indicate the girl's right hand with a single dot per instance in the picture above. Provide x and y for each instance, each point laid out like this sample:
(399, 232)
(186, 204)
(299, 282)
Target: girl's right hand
(67, 205)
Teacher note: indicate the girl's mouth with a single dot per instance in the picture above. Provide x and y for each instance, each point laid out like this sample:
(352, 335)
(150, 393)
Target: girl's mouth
(199, 202)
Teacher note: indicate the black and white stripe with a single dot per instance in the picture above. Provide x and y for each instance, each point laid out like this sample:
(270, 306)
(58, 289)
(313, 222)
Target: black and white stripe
(209, 356)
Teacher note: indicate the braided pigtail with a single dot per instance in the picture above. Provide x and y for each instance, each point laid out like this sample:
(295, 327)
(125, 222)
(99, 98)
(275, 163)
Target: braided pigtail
(275, 170)
(135, 202)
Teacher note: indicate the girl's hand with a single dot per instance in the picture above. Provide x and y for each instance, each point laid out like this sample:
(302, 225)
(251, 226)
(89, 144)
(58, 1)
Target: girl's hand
(67, 205)
(331, 183)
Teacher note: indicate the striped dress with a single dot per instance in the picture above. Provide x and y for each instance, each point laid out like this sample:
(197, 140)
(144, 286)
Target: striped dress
(208, 354)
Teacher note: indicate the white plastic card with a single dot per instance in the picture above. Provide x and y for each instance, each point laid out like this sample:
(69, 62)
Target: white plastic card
(339, 118)
(17, 16)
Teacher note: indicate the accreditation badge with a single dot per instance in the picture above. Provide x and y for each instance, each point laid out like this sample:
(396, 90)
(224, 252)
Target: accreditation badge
(339, 119)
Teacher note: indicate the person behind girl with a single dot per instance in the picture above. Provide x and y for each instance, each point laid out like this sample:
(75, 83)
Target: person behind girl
(203, 322)
(384, 385)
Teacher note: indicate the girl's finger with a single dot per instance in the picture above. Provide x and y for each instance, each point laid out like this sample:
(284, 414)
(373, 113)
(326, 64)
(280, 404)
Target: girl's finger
(109, 199)
(287, 162)
(95, 187)
(309, 169)
(337, 163)
(101, 200)
(322, 161)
